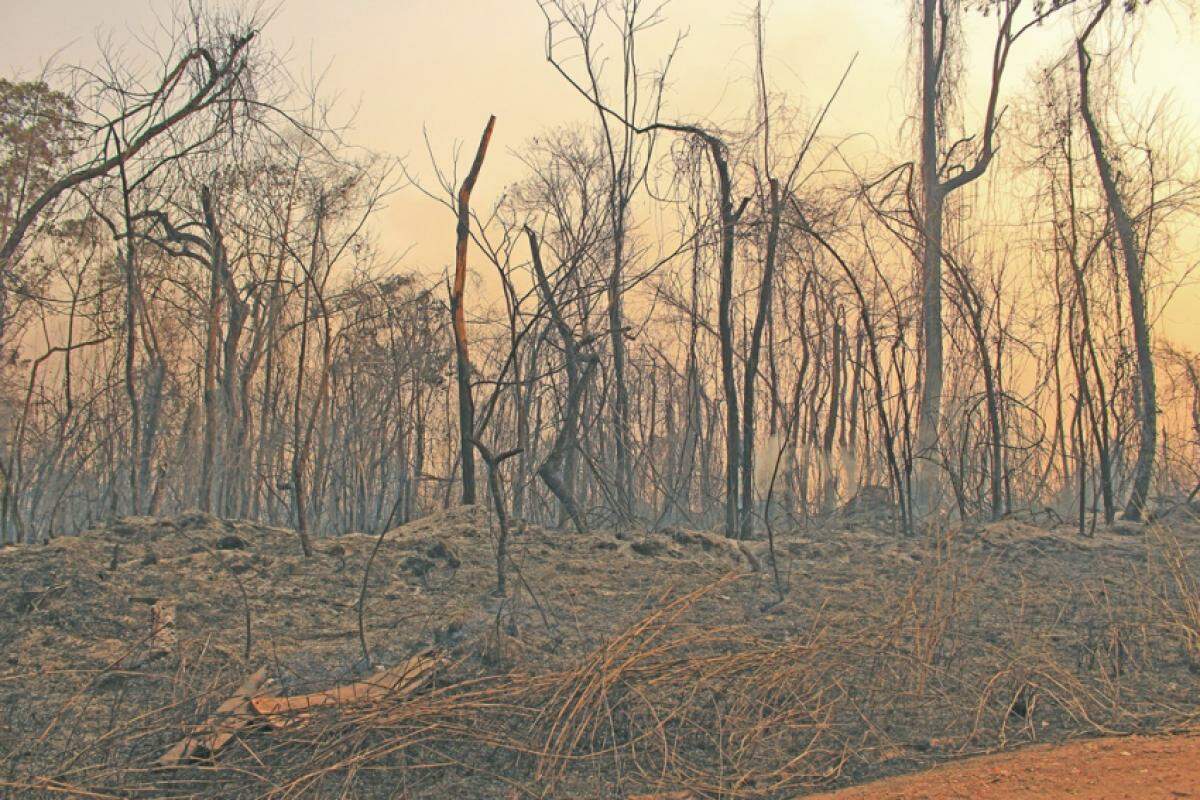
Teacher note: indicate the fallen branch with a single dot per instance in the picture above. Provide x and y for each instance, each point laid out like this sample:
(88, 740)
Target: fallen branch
(249, 705)
(215, 732)
(402, 679)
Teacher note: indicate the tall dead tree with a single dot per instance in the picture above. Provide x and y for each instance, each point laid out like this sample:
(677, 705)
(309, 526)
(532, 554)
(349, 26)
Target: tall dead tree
(462, 360)
(729, 221)
(777, 195)
(629, 157)
(579, 366)
(941, 174)
(302, 431)
(774, 214)
(1133, 261)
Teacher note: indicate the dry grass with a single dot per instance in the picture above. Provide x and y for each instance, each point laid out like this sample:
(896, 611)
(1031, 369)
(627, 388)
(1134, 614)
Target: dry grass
(597, 681)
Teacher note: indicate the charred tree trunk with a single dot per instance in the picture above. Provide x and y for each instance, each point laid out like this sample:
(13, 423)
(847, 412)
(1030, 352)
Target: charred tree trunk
(212, 344)
(616, 322)
(566, 440)
(493, 462)
(1135, 278)
(466, 406)
(729, 220)
(760, 322)
(131, 307)
(301, 434)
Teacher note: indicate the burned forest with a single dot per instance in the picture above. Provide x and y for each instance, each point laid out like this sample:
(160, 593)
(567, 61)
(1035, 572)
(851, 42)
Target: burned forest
(673, 400)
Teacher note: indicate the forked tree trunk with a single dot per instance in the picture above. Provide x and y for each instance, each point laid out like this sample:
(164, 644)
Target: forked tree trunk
(556, 465)
(936, 26)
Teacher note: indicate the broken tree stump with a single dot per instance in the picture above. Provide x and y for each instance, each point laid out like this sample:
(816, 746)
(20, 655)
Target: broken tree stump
(163, 639)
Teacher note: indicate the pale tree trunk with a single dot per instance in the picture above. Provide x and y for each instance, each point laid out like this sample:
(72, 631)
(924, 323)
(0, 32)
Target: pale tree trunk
(936, 25)
(933, 205)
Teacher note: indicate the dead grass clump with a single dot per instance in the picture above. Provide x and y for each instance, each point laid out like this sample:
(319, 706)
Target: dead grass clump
(885, 657)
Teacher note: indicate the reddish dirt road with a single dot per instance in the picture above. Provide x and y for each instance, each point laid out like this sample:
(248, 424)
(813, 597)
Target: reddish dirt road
(1134, 768)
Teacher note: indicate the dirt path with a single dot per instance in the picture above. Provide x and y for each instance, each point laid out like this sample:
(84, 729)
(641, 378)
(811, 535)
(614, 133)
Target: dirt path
(1136, 768)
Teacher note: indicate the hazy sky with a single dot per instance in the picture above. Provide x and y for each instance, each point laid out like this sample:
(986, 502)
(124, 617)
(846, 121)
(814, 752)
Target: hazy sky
(447, 64)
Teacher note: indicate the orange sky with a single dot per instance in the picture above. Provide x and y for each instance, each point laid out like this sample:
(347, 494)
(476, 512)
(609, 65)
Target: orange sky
(447, 64)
